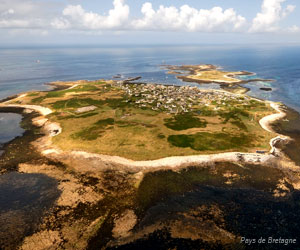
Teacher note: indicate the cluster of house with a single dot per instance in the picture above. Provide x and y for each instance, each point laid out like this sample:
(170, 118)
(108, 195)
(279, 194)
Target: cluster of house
(173, 99)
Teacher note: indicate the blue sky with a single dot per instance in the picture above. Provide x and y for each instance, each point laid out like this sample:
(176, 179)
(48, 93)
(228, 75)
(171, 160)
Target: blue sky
(148, 22)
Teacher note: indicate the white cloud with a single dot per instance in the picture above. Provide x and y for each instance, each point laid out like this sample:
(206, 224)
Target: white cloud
(294, 29)
(7, 12)
(77, 18)
(49, 15)
(29, 14)
(15, 23)
(271, 13)
(187, 18)
(60, 23)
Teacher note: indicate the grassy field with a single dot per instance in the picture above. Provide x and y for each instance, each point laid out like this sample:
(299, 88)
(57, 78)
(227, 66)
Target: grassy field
(117, 126)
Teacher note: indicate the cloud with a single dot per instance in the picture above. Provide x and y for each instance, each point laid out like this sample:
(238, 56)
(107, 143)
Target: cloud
(171, 18)
(187, 18)
(60, 23)
(7, 12)
(271, 13)
(55, 15)
(26, 14)
(75, 17)
(294, 29)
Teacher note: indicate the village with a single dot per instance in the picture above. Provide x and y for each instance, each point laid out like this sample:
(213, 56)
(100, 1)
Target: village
(176, 99)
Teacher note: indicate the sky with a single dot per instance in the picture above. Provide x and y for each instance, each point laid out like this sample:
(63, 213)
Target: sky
(148, 22)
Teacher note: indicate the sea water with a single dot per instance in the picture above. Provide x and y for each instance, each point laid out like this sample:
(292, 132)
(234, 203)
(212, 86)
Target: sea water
(9, 127)
(23, 69)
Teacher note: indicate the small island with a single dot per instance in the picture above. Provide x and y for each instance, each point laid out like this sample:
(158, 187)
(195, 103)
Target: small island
(134, 162)
(208, 73)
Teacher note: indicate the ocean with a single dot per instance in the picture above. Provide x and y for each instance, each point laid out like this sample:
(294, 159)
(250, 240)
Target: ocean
(24, 69)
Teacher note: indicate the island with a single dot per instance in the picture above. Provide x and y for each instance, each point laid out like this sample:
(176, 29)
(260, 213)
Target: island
(139, 162)
(208, 73)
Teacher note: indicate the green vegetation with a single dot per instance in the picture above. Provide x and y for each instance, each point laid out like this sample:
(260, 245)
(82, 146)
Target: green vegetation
(240, 125)
(184, 121)
(80, 88)
(116, 102)
(124, 124)
(89, 114)
(87, 134)
(61, 93)
(205, 111)
(234, 114)
(76, 103)
(161, 136)
(83, 102)
(33, 94)
(105, 122)
(204, 141)
(37, 100)
(95, 131)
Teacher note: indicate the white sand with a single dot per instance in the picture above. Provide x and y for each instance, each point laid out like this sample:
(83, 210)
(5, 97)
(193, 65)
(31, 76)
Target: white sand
(42, 110)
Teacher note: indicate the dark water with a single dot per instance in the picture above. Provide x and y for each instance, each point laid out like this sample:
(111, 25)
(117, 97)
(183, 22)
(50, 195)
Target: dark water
(26, 69)
(24, 199)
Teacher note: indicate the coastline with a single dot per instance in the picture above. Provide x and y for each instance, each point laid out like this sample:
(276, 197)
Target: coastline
(47, 149)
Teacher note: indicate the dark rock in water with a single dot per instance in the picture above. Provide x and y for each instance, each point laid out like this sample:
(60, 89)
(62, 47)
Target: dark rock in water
(266, 89)
(117, 76)
(133, 79)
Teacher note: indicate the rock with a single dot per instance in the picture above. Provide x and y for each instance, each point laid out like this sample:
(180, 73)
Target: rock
(39, 121)
(27, 111)
(266, 89)
(124, 224)
(85, 109)
(131, 79)
(42, 240)
(117, 76)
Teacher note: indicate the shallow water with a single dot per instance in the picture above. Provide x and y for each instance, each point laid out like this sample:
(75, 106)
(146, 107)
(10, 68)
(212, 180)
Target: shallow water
(9, 127)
